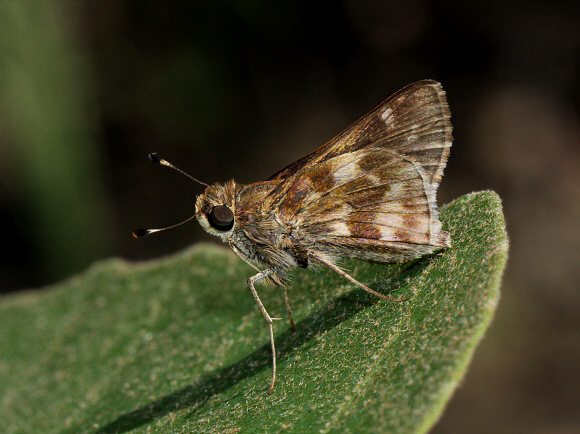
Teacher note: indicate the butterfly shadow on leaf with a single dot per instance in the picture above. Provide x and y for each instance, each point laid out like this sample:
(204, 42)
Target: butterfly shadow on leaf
(195, 396)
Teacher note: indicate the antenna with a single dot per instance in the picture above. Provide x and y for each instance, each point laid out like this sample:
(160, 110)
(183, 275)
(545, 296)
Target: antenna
(138, 233)
(158, 160)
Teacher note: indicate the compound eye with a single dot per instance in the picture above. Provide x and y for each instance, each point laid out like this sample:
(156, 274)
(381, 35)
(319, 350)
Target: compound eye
(221, 218)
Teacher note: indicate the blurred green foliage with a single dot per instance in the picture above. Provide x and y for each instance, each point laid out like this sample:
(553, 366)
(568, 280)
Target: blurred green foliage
(47, 139)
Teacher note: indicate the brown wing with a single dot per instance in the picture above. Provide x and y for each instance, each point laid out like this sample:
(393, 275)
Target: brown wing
(415, 122)
(371, 192)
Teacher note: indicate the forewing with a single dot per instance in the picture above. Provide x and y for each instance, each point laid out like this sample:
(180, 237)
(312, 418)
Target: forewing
(370, 192)
(414, 122)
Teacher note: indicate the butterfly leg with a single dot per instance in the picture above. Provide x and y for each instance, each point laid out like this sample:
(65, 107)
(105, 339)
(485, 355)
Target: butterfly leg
(288, 309)
(251, 281)
(347, 276)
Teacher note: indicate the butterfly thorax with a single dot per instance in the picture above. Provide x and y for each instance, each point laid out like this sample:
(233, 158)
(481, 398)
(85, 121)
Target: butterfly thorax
(250, 225)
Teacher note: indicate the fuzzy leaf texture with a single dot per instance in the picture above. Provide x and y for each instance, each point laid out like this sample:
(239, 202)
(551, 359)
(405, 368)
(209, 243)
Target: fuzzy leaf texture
(178, 345)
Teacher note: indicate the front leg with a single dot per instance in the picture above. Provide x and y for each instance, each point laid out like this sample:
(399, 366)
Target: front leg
(255, 278)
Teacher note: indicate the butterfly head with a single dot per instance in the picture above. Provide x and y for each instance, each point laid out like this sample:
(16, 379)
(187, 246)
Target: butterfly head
(215, 209)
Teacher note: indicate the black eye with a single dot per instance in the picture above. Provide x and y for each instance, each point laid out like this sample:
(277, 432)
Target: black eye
(221, 218)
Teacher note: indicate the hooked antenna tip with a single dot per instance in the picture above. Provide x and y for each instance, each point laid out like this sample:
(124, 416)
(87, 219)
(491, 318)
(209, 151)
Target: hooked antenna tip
(154, 157)
(139, 233)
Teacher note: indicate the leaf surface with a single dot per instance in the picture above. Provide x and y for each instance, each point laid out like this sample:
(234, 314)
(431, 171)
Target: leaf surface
(178, 344)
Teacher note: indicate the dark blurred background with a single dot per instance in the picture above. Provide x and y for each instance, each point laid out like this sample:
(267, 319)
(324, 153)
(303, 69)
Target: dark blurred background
(236, 89)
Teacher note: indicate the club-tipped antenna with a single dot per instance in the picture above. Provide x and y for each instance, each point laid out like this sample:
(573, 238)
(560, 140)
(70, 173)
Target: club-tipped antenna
(158, 160)
(139, 233)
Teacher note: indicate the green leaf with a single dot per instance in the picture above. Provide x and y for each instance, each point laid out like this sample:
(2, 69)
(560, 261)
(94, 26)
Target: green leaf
(179, 345)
